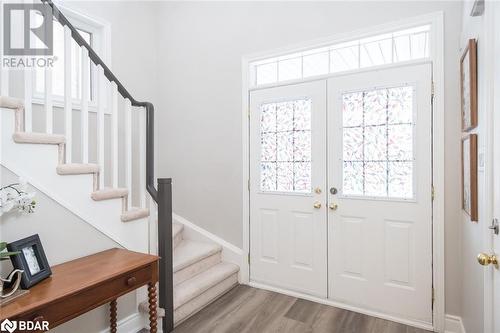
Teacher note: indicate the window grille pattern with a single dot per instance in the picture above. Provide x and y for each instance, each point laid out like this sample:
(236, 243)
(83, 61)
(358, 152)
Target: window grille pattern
(403, 45)
(285, 161)
(377, 142)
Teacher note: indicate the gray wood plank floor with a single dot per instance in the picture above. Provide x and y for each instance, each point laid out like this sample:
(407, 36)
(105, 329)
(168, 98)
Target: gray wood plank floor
(250, 310)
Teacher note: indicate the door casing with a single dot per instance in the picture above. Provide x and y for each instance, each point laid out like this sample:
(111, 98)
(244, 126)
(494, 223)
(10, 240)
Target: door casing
(436, 21)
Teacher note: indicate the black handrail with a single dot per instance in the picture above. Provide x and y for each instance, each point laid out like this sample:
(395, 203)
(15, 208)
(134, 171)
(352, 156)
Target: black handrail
(162, 196)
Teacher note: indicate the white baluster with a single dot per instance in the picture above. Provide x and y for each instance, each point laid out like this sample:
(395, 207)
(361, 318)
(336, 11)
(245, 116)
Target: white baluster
(28, 100)
(49, 109)
(142, 157)
(68, 98)
(100, 124)
(128, 149)
(114, 131)
(85, 104)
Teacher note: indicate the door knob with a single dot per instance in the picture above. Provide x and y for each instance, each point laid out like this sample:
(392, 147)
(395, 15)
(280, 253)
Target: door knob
(333, 206)
(487, 259)
(317, 205)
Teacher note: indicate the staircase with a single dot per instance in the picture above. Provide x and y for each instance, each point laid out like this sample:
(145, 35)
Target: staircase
(40, 159)
(200, 275)
(191, 273)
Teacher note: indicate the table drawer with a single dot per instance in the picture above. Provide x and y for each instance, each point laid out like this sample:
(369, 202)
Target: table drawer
(64, 310)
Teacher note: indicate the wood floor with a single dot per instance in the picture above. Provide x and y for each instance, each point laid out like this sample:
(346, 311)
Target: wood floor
(249, 310)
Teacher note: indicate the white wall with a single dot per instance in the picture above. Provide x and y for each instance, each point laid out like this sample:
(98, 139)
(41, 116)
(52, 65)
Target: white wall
(472, 234)
(64, 237)
(200, 64)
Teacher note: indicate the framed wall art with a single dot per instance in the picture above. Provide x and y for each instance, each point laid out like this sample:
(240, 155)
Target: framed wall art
(31, 259)
(469, 176)
(468, 86)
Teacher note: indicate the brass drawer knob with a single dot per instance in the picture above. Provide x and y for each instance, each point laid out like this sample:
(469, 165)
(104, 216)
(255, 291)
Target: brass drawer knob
(38, 319)
(131, 281)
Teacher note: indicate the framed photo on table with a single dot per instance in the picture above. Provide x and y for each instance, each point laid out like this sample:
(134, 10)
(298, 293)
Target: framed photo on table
(469, 176)
(31, 259)
(468, 86)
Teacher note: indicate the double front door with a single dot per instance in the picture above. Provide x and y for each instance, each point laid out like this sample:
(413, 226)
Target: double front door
(340, 194)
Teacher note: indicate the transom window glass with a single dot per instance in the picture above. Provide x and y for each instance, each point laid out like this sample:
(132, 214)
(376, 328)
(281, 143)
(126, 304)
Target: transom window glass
(285, 162)
(398, 46)
(378, 157)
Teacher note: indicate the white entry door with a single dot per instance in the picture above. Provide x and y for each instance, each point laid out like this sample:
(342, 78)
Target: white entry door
(288, 228)
(494, 228)
(379, 174)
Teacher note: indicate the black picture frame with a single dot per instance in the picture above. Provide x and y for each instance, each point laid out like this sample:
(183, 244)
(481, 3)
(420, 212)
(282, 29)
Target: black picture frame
(31, 259)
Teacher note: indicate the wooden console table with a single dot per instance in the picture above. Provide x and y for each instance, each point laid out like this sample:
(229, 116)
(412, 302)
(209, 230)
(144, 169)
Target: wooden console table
(81, 285)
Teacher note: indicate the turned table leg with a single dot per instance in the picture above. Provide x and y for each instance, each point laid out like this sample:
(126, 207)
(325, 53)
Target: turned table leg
(112, 316)
(152, 308)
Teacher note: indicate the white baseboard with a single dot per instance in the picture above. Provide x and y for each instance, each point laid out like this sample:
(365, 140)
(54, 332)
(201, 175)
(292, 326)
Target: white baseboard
(230, 252)
(131, 324)
(453, 324)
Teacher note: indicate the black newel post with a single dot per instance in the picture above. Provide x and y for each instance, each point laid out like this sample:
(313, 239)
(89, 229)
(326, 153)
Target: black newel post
(165, 252)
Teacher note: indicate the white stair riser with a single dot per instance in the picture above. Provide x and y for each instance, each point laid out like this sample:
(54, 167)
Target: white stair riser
(196, 268)
(188, 309)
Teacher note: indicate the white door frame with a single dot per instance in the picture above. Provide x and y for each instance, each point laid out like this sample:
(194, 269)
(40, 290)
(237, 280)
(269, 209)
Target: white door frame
(436, 21)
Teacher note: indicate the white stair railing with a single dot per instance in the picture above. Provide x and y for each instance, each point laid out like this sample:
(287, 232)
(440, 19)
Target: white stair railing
(128, 149)
(49, 107)
(85, 104)
(142, 158)
(114, 132)
(100, 123)
(114, 119)
(68, 97)
(28, 100)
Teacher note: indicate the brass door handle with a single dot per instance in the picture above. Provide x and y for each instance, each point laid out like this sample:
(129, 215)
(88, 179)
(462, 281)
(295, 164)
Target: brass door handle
(317, 205)
(487, 259)
(333, 206)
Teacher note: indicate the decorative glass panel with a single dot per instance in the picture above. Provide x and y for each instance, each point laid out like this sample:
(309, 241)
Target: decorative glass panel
(353, 178)
(353, 109)
(285, 129)
(353, 144)
(377, 141)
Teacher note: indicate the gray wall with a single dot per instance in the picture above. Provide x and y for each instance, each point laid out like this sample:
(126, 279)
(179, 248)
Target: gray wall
(200, 64)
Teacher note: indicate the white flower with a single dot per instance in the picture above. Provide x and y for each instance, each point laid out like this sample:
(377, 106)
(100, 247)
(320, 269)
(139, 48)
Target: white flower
(15, 197)
(23, 185)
